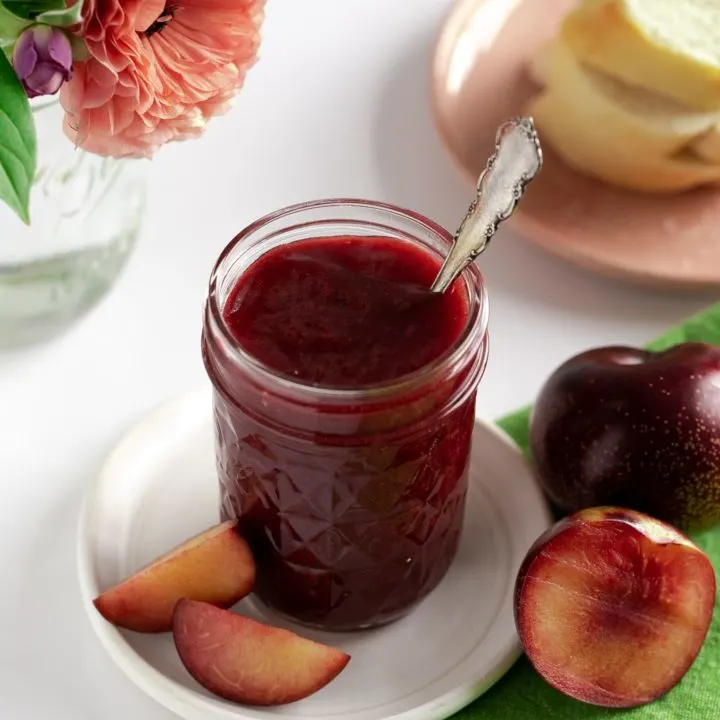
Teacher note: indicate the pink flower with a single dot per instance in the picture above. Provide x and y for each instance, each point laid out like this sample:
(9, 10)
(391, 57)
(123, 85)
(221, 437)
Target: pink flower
(157, 71)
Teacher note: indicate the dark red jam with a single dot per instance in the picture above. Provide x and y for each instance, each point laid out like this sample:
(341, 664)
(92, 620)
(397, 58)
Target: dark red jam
(345, 312)
(353, 506)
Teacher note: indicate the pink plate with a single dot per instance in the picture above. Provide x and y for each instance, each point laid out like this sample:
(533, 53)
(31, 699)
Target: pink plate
(479, 79)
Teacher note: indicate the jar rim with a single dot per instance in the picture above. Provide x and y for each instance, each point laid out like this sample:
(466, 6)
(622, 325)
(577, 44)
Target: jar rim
(474, 331)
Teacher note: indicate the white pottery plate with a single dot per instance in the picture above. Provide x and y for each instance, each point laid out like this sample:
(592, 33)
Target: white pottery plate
(159, 488)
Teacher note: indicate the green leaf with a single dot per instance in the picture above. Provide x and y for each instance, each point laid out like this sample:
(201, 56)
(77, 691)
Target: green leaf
(29, 9)
(67, 17)
(18, 147)
(10, 27)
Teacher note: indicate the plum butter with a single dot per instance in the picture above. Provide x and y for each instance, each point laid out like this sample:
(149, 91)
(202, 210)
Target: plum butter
(344, 311)
(344, 403)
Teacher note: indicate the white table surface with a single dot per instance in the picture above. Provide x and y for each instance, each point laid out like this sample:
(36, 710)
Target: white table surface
(337, 106)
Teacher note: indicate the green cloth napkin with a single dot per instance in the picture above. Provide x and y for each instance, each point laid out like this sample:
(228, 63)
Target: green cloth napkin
(523, 695)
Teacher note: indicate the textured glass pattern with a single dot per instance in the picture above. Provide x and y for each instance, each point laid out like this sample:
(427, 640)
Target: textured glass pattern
(345, 536)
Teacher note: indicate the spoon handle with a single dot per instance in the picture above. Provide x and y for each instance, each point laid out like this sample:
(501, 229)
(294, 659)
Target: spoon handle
(515, 163)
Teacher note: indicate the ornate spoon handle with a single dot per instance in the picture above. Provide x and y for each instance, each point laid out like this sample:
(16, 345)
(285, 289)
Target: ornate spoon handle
(516, 161)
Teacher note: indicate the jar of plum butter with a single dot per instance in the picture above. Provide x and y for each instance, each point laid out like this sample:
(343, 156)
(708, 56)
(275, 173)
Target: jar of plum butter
(344, 403)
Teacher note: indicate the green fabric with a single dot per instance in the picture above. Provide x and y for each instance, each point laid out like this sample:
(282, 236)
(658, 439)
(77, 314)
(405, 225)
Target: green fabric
(523, 695)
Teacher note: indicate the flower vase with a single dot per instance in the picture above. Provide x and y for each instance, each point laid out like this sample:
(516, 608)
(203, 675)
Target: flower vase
(86, 212)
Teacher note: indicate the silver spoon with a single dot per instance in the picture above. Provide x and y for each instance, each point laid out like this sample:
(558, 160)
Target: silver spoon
(516, 161)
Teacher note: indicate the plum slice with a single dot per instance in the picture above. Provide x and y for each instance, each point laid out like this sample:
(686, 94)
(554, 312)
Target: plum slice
(248, 662)
(215, 566)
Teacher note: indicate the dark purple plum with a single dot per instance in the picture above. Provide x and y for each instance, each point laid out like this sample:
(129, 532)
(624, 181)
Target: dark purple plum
(633, 428)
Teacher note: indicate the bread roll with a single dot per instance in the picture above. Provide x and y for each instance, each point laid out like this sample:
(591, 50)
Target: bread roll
(563, 124)
(669, 47)
(631, 120)
(707, 146)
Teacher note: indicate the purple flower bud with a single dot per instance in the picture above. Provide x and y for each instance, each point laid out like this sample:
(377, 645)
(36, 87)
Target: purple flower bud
(43, 60)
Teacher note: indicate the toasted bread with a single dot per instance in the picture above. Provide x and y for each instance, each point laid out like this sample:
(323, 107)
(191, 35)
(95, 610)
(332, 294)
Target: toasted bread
(669, 47)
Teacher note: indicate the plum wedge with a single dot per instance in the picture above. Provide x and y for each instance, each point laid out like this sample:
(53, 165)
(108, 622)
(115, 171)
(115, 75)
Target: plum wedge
(612, 606)
(248, 662)
(215, 566)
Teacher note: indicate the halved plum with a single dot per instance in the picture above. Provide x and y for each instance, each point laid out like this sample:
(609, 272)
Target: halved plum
(612, 606)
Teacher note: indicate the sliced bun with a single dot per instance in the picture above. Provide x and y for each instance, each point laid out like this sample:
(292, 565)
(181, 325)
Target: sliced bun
(582, 145)
(668, 47)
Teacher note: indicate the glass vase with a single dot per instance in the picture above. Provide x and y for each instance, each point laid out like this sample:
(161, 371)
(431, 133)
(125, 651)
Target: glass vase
(86, 212)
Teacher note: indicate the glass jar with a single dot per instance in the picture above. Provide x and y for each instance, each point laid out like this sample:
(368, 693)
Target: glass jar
(351, 499)
(85, 212)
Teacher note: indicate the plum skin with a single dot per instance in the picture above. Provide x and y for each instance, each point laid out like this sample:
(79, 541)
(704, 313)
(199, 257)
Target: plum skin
(633, 428)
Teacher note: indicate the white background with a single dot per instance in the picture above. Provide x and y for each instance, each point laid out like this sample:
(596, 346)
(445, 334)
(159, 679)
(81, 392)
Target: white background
(337, 106)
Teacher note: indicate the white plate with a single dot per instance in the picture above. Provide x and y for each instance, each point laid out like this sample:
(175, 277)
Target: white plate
(159, 487)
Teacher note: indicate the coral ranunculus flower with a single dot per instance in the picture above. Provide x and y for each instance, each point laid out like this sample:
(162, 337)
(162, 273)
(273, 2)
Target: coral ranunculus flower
(157, 70)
